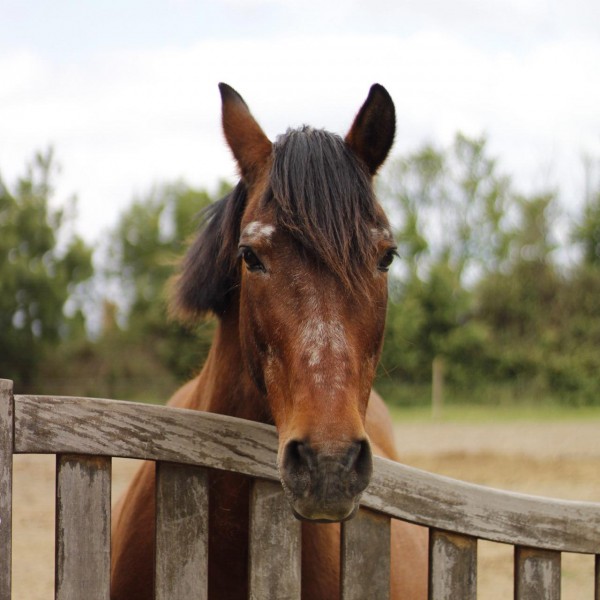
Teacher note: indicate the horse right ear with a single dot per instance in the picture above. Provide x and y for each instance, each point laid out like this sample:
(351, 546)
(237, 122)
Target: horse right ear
(209, 271)
(372, 133)
(249, 144)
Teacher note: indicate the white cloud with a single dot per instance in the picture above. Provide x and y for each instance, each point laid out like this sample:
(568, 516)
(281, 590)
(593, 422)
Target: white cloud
(124, 120)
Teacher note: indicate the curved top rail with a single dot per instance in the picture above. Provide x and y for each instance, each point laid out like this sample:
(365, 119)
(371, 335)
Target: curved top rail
(54, 424)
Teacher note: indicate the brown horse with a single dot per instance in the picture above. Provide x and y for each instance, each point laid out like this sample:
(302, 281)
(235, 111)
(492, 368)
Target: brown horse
(293, 263)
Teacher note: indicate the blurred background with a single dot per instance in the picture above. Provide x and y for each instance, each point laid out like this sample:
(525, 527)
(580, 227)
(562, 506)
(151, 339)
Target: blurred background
(110, 145)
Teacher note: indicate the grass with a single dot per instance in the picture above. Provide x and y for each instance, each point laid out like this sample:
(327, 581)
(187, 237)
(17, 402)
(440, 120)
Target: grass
(505, 402)
(470, 413)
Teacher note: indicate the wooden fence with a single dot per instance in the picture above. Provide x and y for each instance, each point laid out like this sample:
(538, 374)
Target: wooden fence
(85, 433)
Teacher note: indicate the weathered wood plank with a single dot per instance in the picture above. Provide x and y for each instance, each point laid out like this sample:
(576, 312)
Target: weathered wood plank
(366, 557)
(274, 545)
(82, 527)
(452, 566)
(6, 462)
(181, 532)
(48, 424)
(54, 424)
(496, 515)
(537, 574)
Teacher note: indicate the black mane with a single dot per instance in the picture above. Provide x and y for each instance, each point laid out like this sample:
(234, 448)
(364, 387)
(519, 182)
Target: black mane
(324, 199)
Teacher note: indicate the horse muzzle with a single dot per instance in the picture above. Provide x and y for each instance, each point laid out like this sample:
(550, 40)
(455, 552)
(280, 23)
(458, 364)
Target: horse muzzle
(325, 486)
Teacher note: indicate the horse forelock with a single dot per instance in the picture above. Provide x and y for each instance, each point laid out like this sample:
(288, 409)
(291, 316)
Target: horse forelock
(324, 199)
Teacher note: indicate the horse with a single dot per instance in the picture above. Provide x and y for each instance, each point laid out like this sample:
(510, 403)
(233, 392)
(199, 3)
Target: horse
(293, 263)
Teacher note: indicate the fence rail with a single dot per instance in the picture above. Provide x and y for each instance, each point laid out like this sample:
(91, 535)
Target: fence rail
(85, 433)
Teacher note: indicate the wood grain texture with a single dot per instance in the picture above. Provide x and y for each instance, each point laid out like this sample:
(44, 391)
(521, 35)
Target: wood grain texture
(181, 532)
(47, 424)
(537, 574)
(486, 513)
(452, 566)
(366, 557)
(274, 545)
(82, 527)
(55, 424)
(6, 461)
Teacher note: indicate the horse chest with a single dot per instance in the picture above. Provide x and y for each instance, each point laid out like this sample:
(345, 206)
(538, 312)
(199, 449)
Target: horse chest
(228, 536)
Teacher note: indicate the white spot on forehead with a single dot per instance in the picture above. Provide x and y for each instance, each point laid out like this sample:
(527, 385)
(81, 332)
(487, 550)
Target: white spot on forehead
(258, 230)
(381, 233)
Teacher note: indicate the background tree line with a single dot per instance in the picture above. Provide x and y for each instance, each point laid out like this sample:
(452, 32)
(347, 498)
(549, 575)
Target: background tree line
(482, 283)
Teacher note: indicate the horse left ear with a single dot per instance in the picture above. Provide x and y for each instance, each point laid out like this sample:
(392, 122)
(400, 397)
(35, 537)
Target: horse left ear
(372, 133)
(249, 144)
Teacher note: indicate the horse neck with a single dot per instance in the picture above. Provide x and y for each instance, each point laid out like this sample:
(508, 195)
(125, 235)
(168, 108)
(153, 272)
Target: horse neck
(224, 385)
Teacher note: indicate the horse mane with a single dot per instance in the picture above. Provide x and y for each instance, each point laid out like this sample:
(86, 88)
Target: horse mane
(324, 198)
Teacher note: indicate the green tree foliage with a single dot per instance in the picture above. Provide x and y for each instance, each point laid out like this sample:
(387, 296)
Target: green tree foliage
(450, 207)
(144, 248)
(41, 266)
(587, 231)
(479, 284)
(519, 304)
(139, 353)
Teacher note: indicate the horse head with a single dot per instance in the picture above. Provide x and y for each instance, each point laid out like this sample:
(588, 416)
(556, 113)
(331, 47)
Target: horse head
(299, 251)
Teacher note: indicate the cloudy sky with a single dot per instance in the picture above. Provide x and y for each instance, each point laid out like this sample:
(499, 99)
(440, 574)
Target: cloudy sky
(126, 90)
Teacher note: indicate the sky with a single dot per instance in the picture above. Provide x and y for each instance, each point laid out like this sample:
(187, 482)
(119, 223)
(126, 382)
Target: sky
(126, 91)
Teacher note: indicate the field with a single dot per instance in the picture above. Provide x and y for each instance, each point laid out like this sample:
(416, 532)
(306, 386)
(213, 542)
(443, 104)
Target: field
(557, 455)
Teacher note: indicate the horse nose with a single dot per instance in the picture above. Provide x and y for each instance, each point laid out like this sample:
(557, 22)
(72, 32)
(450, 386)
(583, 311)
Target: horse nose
(325, 485)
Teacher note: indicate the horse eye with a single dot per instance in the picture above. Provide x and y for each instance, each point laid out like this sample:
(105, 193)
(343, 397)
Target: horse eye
(252, 261)
(387, 259)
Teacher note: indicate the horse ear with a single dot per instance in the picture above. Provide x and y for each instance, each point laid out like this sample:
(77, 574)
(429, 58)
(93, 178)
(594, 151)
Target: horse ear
(209, 272)
(372, 133)
(249, 144)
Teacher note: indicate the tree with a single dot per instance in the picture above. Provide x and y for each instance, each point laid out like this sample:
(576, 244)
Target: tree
(450, 205)
(450, 209)
(587, 231)
(144, 247)
(41, 266)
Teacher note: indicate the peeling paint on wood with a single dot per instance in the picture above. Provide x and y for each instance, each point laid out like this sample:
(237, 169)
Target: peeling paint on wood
(82, 527)
(452, 566)
(366, 557)
(6, 450)
(537, 574)
(181, 532)
(52, 424)
(103, 428)
(274, 545)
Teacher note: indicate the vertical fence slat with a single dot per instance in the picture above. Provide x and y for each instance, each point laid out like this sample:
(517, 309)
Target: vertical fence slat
(82, 527)
(452, 566)
(181, 532)
(537, 574)
(366, 557)
(6, 461)
(597, 577)
(274, 545)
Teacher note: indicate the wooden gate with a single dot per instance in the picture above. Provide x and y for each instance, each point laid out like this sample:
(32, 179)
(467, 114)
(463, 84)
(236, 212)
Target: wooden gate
(84, 433)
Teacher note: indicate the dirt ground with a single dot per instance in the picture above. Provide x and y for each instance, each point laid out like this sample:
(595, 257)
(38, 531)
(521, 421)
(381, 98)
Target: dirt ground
(552, 459)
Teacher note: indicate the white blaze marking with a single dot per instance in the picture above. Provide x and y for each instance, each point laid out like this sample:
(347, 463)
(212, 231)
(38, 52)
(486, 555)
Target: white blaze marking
(323, 341)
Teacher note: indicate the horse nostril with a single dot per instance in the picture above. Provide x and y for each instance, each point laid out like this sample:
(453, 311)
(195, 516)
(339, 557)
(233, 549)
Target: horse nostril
(360, 461)
(298, 462)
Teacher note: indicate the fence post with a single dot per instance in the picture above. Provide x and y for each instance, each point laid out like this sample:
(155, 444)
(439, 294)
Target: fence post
(437, 387)
(6, 461)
